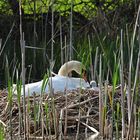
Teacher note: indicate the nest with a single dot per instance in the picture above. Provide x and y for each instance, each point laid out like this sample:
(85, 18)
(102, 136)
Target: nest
(61, 115)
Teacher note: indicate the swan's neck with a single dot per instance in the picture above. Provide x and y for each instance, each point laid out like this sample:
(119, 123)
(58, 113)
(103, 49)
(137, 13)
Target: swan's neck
(69, 67)
(65, 69)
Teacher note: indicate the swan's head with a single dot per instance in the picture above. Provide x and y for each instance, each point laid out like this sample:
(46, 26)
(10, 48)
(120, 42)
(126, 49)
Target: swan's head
(73, 65)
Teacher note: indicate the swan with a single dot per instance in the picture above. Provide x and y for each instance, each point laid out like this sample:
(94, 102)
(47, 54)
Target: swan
(61, 81)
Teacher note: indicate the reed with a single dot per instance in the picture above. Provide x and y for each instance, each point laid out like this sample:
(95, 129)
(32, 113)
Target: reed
(114, 82)
(114, 64)
(19, 87)
(122, 87)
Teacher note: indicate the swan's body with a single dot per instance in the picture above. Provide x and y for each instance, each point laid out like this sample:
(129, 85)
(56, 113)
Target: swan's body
(61, 81)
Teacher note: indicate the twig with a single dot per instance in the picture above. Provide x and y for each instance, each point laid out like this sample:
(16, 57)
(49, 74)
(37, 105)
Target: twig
(91, 128)
(87, 121)
(79, 116)
(3, 123)
(60, 124)
(5, 109)
(82, 117)
(81, 103)
(65, 127)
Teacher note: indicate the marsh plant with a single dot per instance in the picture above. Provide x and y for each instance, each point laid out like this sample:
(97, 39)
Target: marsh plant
(112, 63)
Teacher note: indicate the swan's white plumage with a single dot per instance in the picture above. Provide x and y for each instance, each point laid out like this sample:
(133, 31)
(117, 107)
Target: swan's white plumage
(61, 81)
(71, 66)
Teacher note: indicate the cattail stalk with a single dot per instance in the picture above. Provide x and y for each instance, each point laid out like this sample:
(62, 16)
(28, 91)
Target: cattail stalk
(122, 87)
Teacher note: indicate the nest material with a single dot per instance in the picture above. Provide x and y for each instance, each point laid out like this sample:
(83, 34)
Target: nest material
(58, 115)
(73, 105)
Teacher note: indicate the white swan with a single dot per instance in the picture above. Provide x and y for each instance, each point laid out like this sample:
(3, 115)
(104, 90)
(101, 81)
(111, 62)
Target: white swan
(61, 81)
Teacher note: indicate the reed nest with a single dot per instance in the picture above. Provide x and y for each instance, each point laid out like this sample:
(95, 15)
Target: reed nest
(61, 114)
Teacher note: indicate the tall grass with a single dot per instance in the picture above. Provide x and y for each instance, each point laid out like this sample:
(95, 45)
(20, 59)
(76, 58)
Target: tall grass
(118, 113)
(122, 86)
(110, 63)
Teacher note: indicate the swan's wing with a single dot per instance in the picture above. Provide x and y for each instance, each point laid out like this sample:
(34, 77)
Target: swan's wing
(33, 88)
(78, 83)
(59, 83)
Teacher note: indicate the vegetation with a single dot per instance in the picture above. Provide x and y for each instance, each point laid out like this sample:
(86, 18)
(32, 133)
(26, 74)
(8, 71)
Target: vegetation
(101, 21)
(104, 35)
